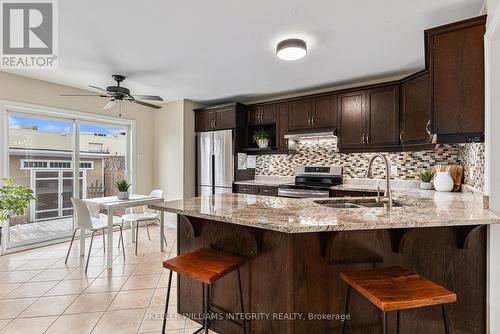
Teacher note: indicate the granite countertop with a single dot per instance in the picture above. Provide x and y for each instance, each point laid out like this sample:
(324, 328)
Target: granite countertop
(421, 208)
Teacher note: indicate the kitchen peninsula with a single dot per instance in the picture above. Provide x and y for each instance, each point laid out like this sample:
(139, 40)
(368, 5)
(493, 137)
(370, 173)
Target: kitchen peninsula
(297, 247)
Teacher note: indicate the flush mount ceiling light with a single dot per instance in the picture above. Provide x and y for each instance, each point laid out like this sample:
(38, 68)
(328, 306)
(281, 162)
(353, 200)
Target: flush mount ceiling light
(291, 49)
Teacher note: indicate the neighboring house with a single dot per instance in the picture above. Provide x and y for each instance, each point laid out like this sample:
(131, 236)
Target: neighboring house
(42, 160)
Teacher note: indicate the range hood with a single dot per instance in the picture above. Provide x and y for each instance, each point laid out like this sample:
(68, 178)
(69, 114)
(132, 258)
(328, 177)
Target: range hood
(297, 136)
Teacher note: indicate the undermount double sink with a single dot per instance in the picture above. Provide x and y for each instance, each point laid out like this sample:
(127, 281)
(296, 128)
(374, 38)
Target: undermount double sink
(355, 203)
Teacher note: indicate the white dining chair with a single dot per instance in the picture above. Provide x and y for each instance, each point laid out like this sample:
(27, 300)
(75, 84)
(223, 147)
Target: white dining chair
(146, 217)
(85, 221)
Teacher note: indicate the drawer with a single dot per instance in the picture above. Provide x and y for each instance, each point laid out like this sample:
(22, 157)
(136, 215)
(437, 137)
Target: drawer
(245, 189)
(267, 191)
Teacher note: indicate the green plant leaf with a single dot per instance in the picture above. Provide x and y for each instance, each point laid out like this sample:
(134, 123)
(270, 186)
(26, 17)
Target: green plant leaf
(261, 134)
(122, 185)
(13, 199)
(426, 175)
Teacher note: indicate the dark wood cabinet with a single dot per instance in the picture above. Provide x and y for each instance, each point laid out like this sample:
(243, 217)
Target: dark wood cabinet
(299, 114)
(267, 191)
(455, 56)
(204, 120)
(312, 113)
(325, 112)
(220, 117)
(415, 110)
(282, 124)
(351, 132)
(382, 116)
(262, 114)
(369, 118)
(245, 189)
(256, 189)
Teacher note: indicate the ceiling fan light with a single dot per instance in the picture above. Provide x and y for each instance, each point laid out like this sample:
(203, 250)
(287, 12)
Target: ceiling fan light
(291, 49)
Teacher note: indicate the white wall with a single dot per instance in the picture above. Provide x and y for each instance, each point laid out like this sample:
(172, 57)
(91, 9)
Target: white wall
(174, 150)
(492, 179)
(27, 90)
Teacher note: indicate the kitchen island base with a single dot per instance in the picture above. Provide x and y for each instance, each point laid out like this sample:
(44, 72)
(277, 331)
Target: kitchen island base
(291, 282)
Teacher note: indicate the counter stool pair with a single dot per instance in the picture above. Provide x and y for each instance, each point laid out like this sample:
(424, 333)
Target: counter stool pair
(206, 266)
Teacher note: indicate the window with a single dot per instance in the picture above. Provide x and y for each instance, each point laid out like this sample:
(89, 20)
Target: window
(51, 164)
(96, 147)
(40, 151)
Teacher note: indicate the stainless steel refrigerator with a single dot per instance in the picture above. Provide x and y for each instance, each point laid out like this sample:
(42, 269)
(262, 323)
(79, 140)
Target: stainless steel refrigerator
(215, 162)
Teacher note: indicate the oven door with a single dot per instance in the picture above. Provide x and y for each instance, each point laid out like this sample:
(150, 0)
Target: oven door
(302, 193)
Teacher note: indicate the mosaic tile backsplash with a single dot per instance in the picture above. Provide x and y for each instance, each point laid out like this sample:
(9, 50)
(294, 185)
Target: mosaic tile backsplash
(324, 152)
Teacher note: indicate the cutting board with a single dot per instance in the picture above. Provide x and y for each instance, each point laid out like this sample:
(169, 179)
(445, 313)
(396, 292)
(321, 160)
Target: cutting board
(456, 172)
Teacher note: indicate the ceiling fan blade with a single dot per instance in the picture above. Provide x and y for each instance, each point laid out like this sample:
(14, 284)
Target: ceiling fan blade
(109, 105)
(148, 97)
(145, 104)
(99, 88)
(83, 95)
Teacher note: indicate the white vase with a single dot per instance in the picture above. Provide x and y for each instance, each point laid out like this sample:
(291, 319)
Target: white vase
(123, 195)
(263, 143)
(425, 185)
(443, 181)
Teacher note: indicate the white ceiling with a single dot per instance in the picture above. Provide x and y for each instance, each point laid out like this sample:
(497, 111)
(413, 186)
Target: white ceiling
(224, 49)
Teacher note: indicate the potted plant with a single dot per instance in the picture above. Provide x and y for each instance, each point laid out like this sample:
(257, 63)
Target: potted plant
(13, 201)
(261, 137)
(122, 187)
(425, 177)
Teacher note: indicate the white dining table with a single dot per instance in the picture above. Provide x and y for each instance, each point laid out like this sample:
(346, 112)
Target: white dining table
(112, 203)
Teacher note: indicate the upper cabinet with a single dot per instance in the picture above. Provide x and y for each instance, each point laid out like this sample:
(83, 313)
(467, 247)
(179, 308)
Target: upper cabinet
(444, 103)
(455, 58)
(369, 118)
(299, 114)
(352, 125)
(415, 110)
(312, 113)
(220, 117)
(262, 114)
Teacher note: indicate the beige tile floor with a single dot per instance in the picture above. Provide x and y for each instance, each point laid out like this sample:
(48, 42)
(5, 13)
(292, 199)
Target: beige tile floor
(39, 293)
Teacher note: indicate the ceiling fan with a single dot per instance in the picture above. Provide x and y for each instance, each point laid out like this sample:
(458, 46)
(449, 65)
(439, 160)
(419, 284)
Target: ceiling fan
(119, 93)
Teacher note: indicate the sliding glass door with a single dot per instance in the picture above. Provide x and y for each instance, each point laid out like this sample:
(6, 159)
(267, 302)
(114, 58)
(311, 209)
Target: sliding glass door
(41, 156)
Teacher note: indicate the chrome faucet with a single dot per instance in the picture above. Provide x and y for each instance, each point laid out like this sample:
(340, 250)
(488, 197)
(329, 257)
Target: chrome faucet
(387, 194)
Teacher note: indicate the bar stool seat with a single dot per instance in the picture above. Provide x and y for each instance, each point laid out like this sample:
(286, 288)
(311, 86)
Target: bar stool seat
(396, 289)
(206, 266)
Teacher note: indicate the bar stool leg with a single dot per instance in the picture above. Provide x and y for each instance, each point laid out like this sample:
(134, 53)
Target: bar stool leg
(384, 322)
(445, 319)
(346, 309)
(207, 308)
(104, 241)
(397, 322)
(165, 314)
(241, 303)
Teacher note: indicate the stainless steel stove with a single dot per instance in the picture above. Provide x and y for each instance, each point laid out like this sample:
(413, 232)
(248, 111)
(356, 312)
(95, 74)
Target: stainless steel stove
(312, 181)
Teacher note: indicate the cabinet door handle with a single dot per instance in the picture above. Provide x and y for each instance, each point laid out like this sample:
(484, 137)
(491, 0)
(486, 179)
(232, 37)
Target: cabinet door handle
(363, 138)
(428, 128)
(261, 116)
(401, 137)
(367, 138)
(309, 121)
(312, 119)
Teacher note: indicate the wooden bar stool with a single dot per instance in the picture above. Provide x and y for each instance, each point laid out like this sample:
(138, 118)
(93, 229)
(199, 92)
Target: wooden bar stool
(396, 289)
(205, 266)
